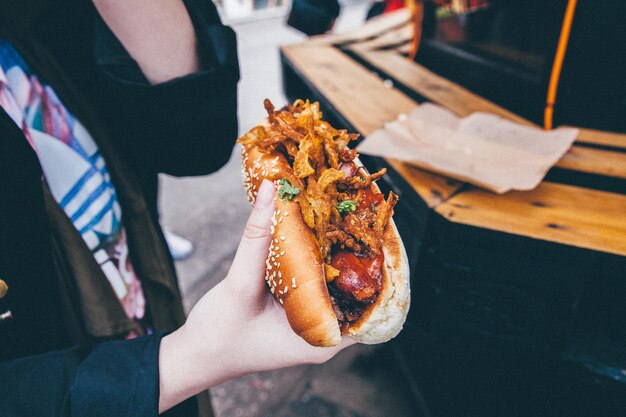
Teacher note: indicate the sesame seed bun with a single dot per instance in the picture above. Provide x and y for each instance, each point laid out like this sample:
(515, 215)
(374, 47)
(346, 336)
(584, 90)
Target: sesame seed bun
(295, 269)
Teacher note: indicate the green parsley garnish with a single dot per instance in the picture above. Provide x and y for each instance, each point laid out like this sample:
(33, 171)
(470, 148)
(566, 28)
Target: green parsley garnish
(373, 207)
(346, 206)
(286, 190)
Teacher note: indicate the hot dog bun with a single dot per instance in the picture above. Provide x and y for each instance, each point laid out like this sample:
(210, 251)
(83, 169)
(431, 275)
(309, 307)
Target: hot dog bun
(296, 265)
(295, 269)
(301, 290)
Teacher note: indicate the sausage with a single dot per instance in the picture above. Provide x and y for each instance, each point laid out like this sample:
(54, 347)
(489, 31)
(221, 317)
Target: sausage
(354, 282)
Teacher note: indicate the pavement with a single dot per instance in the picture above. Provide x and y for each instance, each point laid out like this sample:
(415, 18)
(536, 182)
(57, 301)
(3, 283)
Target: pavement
(362, 381)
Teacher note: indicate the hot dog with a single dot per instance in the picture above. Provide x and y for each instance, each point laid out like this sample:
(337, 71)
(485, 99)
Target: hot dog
(336, 262)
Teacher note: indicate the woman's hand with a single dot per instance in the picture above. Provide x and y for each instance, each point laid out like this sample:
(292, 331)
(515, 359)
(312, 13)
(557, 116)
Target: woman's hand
(237, 327)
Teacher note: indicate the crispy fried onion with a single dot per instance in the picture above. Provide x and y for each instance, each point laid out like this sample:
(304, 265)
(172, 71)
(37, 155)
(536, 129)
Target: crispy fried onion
(358, 182)
(318, 154)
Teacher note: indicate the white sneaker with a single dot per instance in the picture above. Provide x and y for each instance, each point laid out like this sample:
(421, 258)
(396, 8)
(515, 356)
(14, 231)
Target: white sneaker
(179, 247)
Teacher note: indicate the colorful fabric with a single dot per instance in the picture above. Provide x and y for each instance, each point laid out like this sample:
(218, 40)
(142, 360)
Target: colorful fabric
(75, 172)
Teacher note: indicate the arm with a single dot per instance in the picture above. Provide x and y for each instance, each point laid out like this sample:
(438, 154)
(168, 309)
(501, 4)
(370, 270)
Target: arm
(171, 87)
(158, 35)
(110, 379)
(236, 328)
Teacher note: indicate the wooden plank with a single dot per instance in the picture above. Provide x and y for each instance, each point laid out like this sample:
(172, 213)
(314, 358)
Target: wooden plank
(458, 98)
(356, 93)
(399, 36)
(362, 98)
(404, 49)
(434, 87)
(595, 161)
(432, 188)
(370, 29)
(464, 102)
(598, 137)
(558, 213)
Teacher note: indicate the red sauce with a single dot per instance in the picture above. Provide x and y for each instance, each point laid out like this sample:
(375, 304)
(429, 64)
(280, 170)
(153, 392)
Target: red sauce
(369, 197)
(354, 280)
(373, 266)
(360, 278)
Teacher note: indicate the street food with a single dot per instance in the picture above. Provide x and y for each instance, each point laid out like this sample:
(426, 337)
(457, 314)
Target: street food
(336, 262)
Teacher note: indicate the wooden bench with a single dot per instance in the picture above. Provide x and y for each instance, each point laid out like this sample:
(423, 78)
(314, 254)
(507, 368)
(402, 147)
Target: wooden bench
(366, 80)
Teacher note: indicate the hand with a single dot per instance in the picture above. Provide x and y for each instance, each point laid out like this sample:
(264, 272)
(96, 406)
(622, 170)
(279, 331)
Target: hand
(237, 327)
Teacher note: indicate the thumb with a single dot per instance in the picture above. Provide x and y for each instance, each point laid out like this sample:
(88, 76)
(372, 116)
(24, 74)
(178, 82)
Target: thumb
(249, 262)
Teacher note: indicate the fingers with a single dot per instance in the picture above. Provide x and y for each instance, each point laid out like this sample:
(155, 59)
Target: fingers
(249, 262)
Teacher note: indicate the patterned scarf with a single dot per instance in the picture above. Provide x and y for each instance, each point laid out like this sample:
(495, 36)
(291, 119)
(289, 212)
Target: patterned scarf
(75, 172)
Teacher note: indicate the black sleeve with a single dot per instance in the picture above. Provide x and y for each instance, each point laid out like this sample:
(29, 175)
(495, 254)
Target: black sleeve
(185, 126)
(112, 379)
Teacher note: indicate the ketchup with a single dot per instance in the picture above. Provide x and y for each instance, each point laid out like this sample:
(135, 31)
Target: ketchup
(374, 268)
(369, 197)
(360, 278)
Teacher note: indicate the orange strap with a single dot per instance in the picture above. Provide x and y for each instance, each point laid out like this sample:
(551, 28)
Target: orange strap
(416, 8)
(557, 66)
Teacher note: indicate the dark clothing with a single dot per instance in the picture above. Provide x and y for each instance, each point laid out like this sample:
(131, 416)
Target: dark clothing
(185, 126)
(112, 379)
(313, 17)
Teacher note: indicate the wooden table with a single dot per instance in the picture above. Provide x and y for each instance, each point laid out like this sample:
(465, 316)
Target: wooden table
(518, 264)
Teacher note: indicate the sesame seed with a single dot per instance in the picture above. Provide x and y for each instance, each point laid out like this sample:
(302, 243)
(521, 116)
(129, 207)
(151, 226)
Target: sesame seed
(286, 289)
(278, 212)
(281, 301)
(293, 282)
(282, 253)
(272, 289)
(282, 238)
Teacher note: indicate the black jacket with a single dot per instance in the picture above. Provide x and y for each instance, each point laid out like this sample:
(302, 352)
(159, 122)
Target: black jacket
(186, 126)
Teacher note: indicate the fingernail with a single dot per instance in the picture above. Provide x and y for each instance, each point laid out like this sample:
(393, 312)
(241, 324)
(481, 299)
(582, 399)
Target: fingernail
(265, 196)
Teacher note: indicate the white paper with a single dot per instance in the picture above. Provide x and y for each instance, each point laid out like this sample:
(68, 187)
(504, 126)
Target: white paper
(482, 148)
